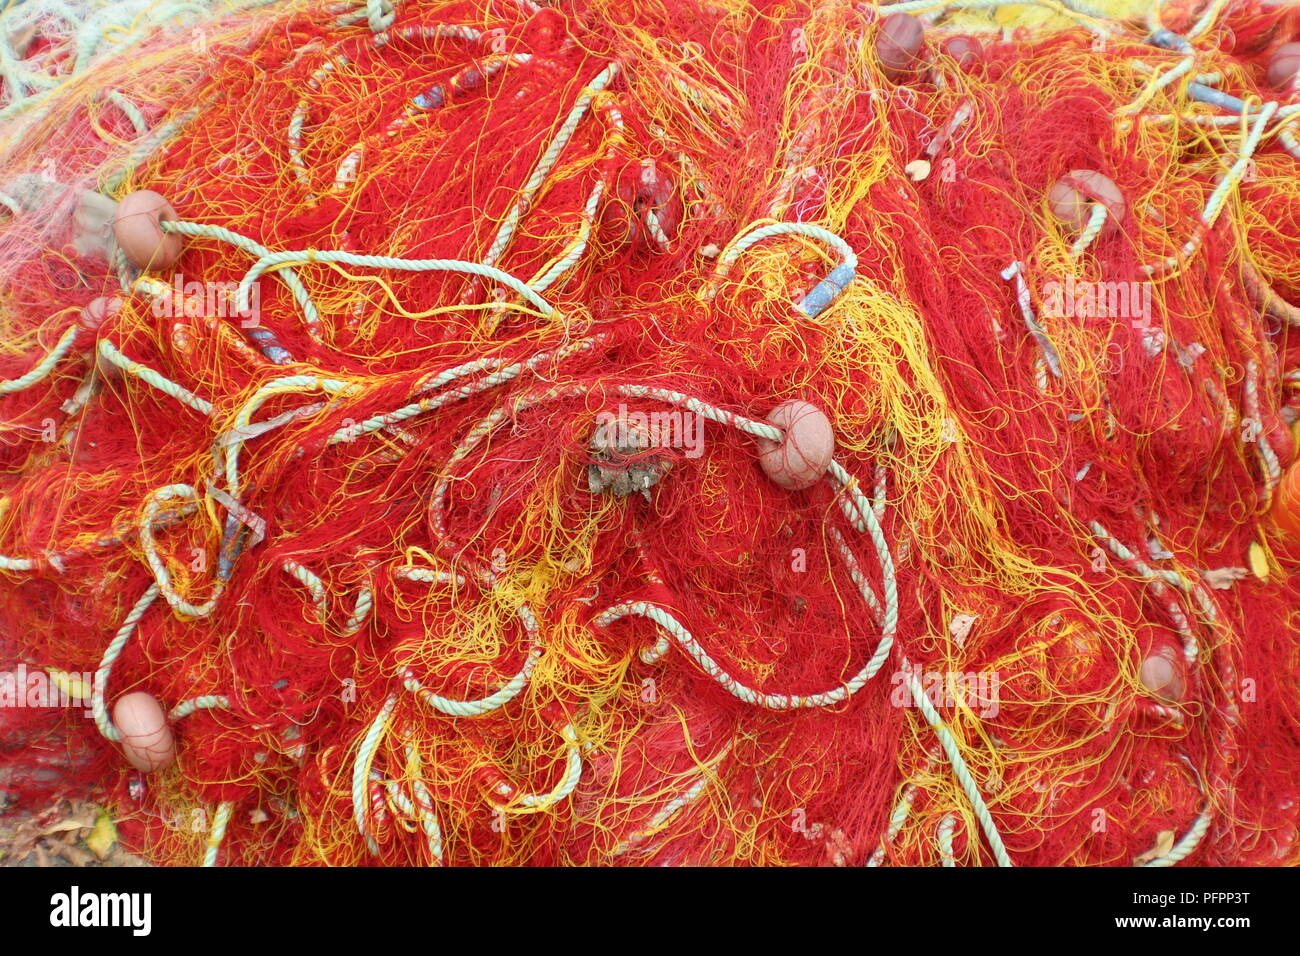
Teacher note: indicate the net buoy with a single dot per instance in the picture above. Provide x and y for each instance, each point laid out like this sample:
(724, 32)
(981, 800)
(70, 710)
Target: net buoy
(96, 312)
(387, 591)
(899, 45)
(1162, 675)
(1072, 196)
(1283, 66)
(138, 231)
(800, 460)
(1286, 502)
(967, 51)
(147, 739)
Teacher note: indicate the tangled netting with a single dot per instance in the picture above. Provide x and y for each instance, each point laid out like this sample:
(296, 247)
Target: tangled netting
(430, 490)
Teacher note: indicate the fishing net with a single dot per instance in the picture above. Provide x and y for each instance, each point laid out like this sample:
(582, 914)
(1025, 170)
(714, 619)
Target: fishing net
(680, 432)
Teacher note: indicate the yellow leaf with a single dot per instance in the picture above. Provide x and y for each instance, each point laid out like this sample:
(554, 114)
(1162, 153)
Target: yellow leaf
(103, 837)
(1164, 843)
(1258, 561)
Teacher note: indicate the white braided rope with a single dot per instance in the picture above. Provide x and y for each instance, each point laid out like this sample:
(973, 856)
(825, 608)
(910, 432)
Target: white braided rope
(430, 576)
(420, 808)
(311, 316)
(161, 576)
(1269, 463)
(1157, 83)
(276, 260)
(194, 705)
(360, 611)
(500, 375)
(1096, 222)
(146, 146)
(1157, 580)
(129, 109)
(43, 367)
(111, 654)
(312, 583)
(896, 821)
(380, 15)
(1016, 272)
(361, 770)
(944, 838)
(959, 768)
(748, 239)
(674, 629)
(219, 823)
(549, 158)
(508, 692)
(575, 250)
(670, 809)
(165, 385)
(16, 564)
(749, 426)
(1214, 205)
(1190, 841)
(568, 783)
(859, 579)
(1212, 11)
(424, 806)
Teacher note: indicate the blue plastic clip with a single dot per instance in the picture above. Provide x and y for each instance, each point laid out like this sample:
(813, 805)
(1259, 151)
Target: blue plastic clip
(826, 291)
